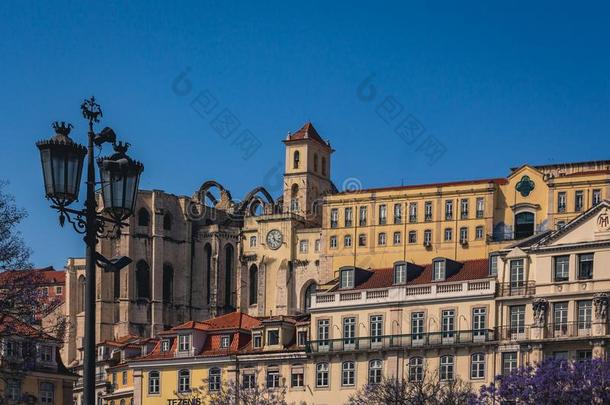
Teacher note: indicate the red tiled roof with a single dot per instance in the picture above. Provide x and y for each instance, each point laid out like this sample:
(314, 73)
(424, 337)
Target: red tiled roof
(470, 270)
(235, 324)
(45, 275)
(233, 320)
(498, 181)
(13, 326)
(307, 131)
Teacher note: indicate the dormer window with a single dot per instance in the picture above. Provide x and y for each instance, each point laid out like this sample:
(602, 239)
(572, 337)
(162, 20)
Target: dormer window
(439, 267)
(225, 341)
(273, 337)
(347, 278)
(165, 345)
(46, 353)
(184, 343)
(257, 341)
(302, 337)
(400, 273)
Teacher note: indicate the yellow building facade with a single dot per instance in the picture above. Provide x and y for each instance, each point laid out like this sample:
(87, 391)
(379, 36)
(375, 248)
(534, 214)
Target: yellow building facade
(201, 257)
(31, 370)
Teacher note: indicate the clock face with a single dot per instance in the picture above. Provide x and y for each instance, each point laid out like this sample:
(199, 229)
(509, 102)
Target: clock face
(274, 239)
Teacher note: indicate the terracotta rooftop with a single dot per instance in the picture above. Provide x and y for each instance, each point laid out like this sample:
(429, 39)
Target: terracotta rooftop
(307, 131)
(233, 320)
(45, 275)
(235, 324)
(470, 270)
(13, 326)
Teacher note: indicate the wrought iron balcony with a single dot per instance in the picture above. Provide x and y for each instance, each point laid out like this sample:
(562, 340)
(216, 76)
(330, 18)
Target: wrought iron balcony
(517, 288)
(414, 341)
(520, 332)
(568, 329)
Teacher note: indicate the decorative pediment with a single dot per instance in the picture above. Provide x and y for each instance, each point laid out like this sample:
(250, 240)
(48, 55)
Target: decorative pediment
(591, 226)
(516, 253)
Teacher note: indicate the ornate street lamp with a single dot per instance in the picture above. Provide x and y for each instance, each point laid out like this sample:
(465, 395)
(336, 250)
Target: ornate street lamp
(120, 177)
(62, 164)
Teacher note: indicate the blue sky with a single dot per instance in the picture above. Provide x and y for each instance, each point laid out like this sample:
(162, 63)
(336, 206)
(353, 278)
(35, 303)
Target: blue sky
(494, 85)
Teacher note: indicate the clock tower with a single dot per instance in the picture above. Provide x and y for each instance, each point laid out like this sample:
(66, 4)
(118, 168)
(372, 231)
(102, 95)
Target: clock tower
(307, 173)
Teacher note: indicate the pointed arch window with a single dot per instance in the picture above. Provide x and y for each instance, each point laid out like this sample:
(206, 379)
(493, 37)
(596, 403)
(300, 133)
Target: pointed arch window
(167, 222)
(229, 259)
(253, 284)
(168, 283)
(143, 217)
(208, 271)
(315, 162)
(142, 280)
(80, 302)
(323, 166)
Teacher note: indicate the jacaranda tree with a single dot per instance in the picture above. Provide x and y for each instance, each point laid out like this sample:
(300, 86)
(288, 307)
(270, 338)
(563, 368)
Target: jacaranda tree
(553, 382)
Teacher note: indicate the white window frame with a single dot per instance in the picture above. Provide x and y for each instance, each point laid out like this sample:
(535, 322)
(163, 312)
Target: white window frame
(400, 273)
(322, 375)
(448, 234)
(154, 382)
(225, 341)
(447, 368)
(347, 278)
(477, 366)
(382, 239)
(184, 380)
(184, 343)
(439, 268)
(348, 373)
(397, 238)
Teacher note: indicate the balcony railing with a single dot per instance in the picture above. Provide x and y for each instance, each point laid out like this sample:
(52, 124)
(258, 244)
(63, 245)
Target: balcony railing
(550, 331)
(415, 340)
(568, 329)
(518, 288)
(520, 332)
(402, 293)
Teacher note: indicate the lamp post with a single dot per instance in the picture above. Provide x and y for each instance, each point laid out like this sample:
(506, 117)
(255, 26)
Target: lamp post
(62, 163)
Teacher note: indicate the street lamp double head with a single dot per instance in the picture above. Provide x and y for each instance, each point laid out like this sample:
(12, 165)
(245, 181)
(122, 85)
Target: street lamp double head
(62, 165)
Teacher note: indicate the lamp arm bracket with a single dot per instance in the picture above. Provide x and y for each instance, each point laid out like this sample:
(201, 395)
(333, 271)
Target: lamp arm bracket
(77, 218)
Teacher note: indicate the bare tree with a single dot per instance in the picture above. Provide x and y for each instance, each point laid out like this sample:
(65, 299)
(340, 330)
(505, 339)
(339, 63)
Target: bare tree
(13, 252)
(232, 393)
(23, 303)
(428, 390)
(21, 295)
